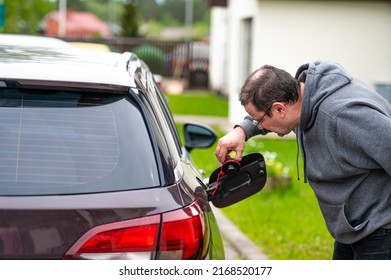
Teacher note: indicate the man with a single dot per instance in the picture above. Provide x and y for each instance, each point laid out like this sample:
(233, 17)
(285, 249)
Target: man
(344, 132)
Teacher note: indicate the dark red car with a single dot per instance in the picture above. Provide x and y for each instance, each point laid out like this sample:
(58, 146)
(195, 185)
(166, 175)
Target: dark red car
(91, 164)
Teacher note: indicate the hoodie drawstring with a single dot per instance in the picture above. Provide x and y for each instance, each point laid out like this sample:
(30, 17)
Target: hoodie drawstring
(299, 142)
(297, 158)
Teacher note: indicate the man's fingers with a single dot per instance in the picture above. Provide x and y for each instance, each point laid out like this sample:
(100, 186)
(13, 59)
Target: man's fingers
(221, 152)
(238, 155)
(232, 142)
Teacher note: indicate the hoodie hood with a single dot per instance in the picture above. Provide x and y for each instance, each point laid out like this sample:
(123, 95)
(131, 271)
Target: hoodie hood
(326, 78)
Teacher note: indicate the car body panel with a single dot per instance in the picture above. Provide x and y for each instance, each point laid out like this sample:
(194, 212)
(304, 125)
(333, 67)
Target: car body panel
(160, 200)
(61, 217)
(45, 225)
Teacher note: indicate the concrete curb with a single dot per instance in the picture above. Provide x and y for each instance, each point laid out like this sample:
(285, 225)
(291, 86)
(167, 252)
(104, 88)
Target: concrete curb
(223, 123)
(220, 121)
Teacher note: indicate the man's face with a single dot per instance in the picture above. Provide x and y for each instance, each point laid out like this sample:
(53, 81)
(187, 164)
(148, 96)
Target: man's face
(282, 120)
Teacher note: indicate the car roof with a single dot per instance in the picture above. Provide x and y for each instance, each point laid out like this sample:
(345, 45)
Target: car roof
(33, 63)
(32, 40)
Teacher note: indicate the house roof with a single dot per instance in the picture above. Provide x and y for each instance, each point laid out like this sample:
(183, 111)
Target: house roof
(78, 24)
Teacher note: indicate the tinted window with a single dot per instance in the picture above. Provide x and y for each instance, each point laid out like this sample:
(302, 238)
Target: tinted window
(62, 142)
(166, 122)
(170, 120)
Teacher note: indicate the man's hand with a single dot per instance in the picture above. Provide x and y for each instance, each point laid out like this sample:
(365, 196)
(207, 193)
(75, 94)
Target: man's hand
(232, 142)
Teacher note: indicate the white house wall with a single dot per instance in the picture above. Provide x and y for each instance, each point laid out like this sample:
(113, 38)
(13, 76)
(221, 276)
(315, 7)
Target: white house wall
(218, 49)
(238, 10)
(286, 34)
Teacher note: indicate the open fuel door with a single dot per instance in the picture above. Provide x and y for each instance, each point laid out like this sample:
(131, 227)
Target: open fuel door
(235, 181)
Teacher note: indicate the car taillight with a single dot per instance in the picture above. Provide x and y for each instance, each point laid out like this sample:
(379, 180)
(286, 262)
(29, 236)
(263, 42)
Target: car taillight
(184, 234)
(180, 234)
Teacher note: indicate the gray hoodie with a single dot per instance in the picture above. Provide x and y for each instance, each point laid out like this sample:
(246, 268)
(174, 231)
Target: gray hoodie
(345, 141)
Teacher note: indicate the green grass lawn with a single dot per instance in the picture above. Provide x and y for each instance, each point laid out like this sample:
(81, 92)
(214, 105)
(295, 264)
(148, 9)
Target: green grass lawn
(198, 103)
(285, 224)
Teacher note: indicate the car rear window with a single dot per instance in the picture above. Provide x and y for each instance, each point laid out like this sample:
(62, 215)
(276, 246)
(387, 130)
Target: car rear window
(58, 142)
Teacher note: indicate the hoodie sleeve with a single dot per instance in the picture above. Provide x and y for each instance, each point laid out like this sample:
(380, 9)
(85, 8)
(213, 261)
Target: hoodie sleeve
(250, 129)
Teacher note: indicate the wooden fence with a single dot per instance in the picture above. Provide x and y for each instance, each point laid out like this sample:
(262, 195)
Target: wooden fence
(187, 60)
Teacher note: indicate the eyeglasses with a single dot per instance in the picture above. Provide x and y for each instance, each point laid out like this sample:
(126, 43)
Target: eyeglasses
(257, 123)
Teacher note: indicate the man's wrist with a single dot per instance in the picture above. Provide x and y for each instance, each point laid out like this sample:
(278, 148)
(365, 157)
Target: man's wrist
(249, 128)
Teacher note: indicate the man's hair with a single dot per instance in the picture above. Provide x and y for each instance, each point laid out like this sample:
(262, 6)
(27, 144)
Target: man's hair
(266, 85)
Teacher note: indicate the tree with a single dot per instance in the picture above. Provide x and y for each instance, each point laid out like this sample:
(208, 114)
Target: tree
(175, 9)
(25, 16)
(130, 21)
(76, 5)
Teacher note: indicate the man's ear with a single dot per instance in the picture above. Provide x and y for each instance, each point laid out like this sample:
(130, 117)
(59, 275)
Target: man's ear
(279, 108)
